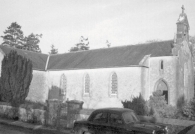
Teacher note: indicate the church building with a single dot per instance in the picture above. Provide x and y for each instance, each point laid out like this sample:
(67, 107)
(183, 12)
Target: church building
(105, 77)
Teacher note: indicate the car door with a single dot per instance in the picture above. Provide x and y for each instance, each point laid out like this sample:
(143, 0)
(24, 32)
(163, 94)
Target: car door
(116, 124)
(99, 123)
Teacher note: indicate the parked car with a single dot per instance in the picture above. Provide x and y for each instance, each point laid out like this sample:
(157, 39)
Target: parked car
(188, 130)
(117, 121)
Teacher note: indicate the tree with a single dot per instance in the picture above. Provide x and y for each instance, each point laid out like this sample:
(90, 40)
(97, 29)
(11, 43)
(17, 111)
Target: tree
(81, 46)
(53, 50)
(13, 36)
(31, 43)
(108, 43)
(16, 76)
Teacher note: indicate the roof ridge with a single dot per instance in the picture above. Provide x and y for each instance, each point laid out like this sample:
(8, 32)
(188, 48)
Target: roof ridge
(146, 43)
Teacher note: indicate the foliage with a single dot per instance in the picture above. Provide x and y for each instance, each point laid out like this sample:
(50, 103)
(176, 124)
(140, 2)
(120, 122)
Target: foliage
(16, 76)
(159, 106)
(188, 109)
(192, 39)
(53, 50)
(138, 104)
(14, 38)
(81, 46)
(31, 43)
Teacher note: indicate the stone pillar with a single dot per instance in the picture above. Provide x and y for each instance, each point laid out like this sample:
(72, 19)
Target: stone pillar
(53, 112)
(74, 106)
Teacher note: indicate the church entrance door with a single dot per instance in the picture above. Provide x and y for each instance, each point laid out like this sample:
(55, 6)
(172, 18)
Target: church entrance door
(162, 86)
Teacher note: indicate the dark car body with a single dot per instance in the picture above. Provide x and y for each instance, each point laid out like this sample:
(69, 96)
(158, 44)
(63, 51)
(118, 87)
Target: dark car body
(116, 121)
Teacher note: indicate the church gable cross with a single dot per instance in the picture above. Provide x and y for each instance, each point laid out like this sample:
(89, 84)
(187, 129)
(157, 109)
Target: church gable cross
(182, 8)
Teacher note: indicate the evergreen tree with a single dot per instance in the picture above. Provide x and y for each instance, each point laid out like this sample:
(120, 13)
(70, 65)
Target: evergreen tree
(13, 36)
(53, 50)
(16, 76)
(31, 43)
(81, 46)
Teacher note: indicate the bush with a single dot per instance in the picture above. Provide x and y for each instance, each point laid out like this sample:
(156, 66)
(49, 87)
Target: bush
(159, 106)
(138, 104)
(16, 76)
(188, 110)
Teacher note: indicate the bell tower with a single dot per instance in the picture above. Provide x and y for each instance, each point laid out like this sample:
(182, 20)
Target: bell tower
(182, 27)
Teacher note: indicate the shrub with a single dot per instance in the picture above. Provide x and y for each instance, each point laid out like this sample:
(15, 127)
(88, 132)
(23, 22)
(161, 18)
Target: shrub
(138, 104)
(160, 107)
(16, 76)
(188, 110)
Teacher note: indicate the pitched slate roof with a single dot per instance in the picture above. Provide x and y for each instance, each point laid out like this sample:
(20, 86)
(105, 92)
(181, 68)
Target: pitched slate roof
(39, 60)
(109, 57)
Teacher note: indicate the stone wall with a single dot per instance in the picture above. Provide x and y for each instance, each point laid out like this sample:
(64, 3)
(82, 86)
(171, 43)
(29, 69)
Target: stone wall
(168, 74)
(26, 115)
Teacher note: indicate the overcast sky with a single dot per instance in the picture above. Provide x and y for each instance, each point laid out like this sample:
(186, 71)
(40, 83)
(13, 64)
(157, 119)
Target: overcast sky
(121, 22)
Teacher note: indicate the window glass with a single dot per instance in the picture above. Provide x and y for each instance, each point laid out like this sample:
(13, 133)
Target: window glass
(115, 119)
(100, 117)
(114, 84)
(87, 84)
(63, 82)
(130, 117)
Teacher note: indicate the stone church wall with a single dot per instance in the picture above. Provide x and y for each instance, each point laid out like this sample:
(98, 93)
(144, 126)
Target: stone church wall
(185, 72)
(129, 85)
(1, 59)
(168, 74)
(38, 91)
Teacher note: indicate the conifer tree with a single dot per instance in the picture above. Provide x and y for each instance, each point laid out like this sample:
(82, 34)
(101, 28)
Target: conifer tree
(53, 50)
(16, 76)
(81, 46)
(13, 36)
(31, 42)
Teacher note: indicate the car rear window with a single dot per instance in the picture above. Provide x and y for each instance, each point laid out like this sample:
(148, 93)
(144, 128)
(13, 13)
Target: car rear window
(100, 117)
(130, 117)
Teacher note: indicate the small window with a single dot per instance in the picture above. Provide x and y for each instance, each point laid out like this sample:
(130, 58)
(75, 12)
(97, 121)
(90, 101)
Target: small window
(100, 117)
(161, 68)
(114, 84)
(86, 84)
(115, 119)
(161, 65)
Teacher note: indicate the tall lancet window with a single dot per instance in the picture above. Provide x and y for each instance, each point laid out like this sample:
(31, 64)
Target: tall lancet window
(63, 84)
(114, 84)
(86, 84)
(161, 69)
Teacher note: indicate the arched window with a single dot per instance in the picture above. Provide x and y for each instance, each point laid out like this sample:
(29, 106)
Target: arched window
(86, 84)
(114, 84)
(63, 85)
